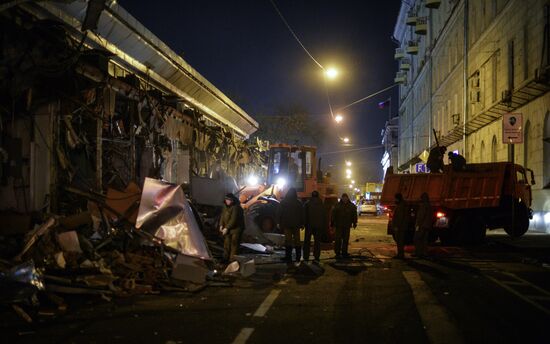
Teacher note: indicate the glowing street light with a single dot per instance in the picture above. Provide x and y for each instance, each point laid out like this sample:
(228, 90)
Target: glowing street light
(338, 118)
(348, 163)
(346, 139)
(348, 171)
(331, 73)
(353, 181)
(351, 186)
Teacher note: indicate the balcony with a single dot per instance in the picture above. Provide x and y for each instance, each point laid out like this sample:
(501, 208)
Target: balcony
(412, 47)
(433, 4)
(405, 64)
(399, 53)
(411, 18)
(421, 25)
(400, 78)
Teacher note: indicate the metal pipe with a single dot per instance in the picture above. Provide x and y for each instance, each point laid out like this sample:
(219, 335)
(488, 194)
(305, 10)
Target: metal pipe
(465, 77)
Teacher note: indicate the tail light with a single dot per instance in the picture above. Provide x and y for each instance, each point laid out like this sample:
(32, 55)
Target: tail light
(440, 214)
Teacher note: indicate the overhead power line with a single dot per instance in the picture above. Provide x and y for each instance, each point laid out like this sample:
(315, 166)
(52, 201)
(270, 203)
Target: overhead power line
(294, 35)
(368, 97)
(352, 150)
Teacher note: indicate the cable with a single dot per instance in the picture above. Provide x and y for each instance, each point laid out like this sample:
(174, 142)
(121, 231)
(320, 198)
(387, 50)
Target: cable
(368, 97)
(294, 34)
(352, 150)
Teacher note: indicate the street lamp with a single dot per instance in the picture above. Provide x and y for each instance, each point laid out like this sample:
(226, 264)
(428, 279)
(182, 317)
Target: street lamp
(338, 118)
(348, 171)
(353, 181)
(331, 73)
(346, 139)
(348, 163)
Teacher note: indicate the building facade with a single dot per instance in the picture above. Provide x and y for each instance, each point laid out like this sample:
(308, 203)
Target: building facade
(462, 65)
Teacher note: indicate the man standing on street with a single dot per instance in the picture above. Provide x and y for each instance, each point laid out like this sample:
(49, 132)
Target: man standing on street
(231, 226)
(423, 225)
(315, 217)
(400, 223)
(291, 219)
(344, 215)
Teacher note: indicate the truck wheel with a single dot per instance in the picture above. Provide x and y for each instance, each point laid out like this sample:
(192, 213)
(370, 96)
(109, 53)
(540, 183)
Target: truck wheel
(432, 236)
(519, 224)
(446, 237)
(478, 231)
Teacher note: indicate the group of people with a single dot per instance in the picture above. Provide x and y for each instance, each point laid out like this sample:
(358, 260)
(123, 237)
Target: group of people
(312, 216)
(422, 225)
(293, 215)
(435, 160)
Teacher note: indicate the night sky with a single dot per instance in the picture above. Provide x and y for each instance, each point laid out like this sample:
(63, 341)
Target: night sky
(244, 49)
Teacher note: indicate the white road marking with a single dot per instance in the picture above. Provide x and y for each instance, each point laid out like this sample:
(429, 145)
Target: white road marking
(243, 335)
(264, 307)
(436, 320)
(531, 299)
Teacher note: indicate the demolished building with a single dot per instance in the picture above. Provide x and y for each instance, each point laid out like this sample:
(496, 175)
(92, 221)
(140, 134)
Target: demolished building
(91, 109)
(94, 108)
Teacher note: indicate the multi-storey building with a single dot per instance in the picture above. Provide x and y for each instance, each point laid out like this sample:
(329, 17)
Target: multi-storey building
(462, 65)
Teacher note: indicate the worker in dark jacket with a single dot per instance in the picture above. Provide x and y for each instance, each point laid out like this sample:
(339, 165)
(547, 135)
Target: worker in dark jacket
(458, 162)
(291, 219)
(344, 216)
(231, 226)
(315, 217)
(400, 223)
(435, 159)
(423, 225)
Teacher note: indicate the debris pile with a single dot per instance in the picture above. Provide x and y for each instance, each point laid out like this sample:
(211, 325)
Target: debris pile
(131, 242)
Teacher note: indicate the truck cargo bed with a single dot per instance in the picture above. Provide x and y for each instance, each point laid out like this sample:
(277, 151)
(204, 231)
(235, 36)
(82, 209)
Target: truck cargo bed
(481, 186)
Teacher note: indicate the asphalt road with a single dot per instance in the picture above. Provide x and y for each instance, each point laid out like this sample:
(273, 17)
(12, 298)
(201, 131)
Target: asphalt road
(495, 293)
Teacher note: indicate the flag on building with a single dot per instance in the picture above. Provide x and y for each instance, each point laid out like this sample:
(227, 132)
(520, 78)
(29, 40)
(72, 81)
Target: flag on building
(384, 104)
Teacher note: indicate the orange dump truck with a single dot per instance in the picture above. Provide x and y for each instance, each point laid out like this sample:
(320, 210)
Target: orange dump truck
(467, 203)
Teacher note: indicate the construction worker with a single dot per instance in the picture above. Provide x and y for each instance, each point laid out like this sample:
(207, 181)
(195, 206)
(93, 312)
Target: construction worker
(400, 224)
(423, 225)
(291, 219)
(435, 159)
(315, 217)
(344, 216)
(458, 162)
(231, 226)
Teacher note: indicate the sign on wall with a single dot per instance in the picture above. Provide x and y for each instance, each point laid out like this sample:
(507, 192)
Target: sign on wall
(421, 168)
(512, 128)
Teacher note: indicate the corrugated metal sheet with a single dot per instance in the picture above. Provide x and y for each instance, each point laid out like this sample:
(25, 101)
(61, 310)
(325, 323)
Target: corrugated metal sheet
(140, 50)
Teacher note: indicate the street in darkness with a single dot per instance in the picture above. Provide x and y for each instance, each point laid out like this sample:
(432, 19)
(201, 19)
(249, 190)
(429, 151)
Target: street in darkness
(498, 292)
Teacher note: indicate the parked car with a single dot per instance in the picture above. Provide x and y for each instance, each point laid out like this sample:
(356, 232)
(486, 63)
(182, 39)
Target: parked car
(367, 206)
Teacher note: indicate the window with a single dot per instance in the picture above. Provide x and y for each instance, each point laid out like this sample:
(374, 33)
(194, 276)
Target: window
(308, 163)
(494, 149)
(546, 152)
(482, 151)
(520, 177)
(526, 144)
(472, 152)
(277, 163)
(510, 65)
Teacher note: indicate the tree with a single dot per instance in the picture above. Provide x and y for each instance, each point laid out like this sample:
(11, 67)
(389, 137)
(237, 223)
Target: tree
(292, 125)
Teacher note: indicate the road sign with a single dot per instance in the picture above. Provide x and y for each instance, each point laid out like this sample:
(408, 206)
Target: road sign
(512, 128)
(421, 168)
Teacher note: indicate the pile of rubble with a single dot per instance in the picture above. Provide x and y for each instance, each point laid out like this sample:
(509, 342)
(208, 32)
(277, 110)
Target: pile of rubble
(126, 243)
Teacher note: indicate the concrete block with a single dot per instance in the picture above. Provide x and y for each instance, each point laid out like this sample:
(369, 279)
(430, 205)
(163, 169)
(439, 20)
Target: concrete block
(191, 269)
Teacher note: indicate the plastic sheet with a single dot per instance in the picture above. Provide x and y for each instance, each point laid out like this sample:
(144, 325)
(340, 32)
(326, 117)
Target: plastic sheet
(165, 212)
